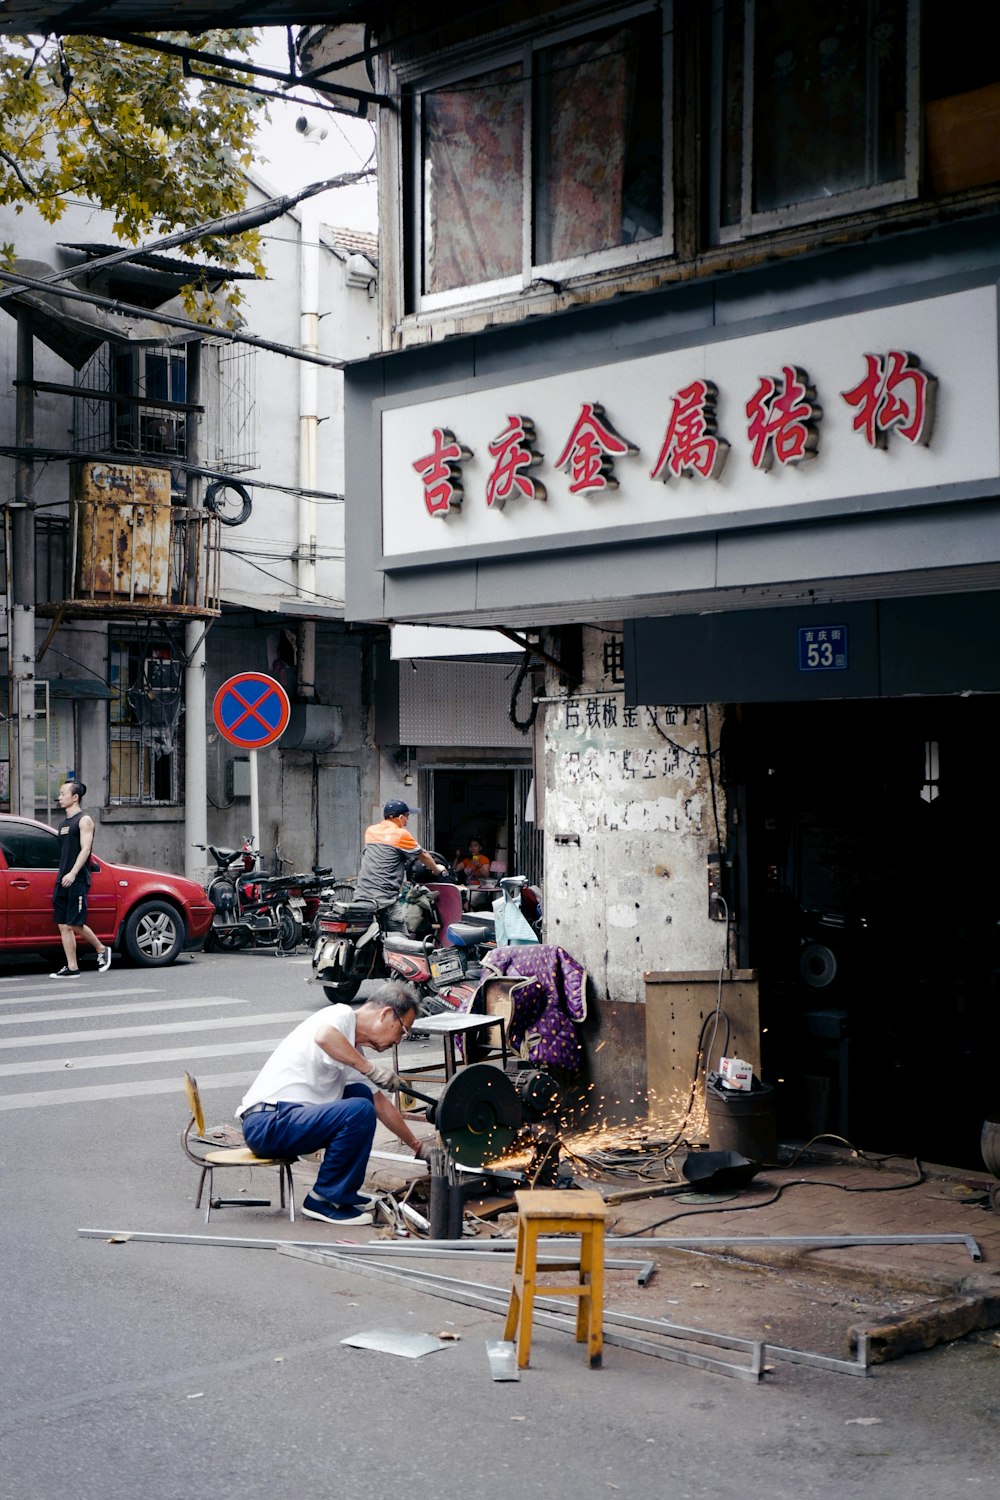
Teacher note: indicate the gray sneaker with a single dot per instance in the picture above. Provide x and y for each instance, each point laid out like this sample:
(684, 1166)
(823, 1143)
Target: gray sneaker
(104, 960)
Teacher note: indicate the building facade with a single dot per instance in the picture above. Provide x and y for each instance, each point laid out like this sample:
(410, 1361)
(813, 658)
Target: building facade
(691, 320)
(185, 497)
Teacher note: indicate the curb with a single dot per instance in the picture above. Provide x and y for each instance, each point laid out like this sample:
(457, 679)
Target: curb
(934, 1323)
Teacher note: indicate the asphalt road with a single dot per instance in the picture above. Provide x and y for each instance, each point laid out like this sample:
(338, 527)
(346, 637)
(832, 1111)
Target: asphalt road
(159, 1370)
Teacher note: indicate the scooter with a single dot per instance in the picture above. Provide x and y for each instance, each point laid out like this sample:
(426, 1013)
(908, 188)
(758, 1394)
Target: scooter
(249, 907)
(360, 941)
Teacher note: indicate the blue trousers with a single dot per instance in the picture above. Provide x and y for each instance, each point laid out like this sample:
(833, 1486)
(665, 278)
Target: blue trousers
(346, 1129)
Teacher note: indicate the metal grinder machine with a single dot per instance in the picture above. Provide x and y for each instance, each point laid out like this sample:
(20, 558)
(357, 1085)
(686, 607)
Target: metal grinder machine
(482, 1116)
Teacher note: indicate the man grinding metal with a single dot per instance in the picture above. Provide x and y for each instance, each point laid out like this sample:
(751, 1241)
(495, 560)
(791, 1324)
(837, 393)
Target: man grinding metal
(319, 1091)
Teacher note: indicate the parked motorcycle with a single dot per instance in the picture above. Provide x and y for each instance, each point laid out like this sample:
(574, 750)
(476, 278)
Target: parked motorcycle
(250, 908)
(360, 941)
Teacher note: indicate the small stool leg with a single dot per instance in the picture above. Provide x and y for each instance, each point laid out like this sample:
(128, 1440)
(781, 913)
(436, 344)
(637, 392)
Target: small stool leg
(583, 1301)
(514, 1306)
(594, 1240)
(529, 1277)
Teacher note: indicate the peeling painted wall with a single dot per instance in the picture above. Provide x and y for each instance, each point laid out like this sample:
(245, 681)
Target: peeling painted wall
(630, 820)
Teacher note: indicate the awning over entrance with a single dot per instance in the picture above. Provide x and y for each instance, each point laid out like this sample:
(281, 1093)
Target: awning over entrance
(83, 689)
(277, 604)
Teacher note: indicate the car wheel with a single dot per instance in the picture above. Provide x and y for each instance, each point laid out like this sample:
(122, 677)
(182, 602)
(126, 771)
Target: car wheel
(154, 934)
(341, 993)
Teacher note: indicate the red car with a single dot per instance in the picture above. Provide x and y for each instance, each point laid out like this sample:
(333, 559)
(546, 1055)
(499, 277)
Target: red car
(151, 916)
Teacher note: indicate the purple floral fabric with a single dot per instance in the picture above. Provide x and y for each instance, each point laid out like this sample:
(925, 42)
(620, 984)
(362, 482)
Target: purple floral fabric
(548, 1006)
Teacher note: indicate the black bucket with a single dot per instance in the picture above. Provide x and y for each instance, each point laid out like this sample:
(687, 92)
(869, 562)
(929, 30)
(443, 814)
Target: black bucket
(742, 1120)
(718, 1171)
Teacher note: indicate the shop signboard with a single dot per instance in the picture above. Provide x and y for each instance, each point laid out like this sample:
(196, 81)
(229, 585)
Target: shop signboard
(835, 414)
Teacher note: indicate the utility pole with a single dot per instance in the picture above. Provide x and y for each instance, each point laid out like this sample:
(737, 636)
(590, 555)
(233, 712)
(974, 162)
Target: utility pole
(305, 564)
(195, 687)
(21, 637)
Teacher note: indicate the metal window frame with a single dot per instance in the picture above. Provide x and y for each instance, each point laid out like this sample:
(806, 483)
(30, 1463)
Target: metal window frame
(123, 732)
(618, 258)
(857, 200)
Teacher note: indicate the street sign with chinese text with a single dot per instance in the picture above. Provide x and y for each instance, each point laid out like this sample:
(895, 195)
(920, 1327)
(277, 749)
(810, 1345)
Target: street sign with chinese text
(823, 648)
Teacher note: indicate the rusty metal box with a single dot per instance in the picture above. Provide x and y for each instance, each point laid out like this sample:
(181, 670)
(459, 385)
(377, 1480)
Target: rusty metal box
(122, 531)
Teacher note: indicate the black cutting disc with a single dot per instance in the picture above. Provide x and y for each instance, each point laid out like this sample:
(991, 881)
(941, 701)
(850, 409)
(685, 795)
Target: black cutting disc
(478, 1115)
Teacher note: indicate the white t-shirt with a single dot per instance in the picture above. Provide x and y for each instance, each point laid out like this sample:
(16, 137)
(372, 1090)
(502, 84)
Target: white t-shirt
(299, 1071)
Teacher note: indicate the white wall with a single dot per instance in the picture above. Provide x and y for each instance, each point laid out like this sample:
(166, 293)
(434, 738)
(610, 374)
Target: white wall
(629, 824)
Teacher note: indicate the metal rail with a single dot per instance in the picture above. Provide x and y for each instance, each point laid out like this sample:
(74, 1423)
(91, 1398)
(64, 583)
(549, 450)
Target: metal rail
(618, 1241)
(493, 1299)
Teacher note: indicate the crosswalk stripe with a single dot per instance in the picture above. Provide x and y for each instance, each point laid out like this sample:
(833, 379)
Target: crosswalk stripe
(103, 1093)
(88, 1011)
(163, 1028)
(137, 1059)
(101, 992)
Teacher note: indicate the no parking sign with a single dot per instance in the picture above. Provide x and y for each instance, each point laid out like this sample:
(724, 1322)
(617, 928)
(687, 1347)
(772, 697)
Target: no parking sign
(251, 710)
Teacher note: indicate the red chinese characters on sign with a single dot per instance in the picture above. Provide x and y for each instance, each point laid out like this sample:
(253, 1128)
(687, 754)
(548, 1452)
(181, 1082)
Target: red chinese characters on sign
(782, 419)
(895, 393)
(441, 473)
(691, 445)
(514, 452)
(783, 416)
(591, 450)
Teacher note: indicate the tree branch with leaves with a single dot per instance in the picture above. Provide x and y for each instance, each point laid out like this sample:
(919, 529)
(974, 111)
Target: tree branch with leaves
(122, 127)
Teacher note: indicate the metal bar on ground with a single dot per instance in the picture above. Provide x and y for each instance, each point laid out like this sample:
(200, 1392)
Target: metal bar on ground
(687, 1242)
(756, 1348)
(814, 1241)
(494, 1299)
(858, 1366)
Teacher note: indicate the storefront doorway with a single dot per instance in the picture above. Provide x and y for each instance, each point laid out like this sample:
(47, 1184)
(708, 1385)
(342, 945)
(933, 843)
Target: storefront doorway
(488, 804)
(871, 900)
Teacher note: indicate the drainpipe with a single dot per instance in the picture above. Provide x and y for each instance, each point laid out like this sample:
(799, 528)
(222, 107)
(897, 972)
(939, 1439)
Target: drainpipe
(305, 571)
(21, 636)
(195, 689)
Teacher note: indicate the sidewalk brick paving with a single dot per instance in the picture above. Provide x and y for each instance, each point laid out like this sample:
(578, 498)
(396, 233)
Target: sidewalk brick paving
(884, 1207)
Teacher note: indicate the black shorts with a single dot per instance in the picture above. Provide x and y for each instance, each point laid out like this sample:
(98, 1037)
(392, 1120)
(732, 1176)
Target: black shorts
(69, 902)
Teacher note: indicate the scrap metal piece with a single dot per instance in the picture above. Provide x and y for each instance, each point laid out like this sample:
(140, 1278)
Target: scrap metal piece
(503, 1359)
(396, 1341)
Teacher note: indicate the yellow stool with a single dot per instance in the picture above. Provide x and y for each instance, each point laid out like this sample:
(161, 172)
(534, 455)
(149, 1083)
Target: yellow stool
(559, 1212)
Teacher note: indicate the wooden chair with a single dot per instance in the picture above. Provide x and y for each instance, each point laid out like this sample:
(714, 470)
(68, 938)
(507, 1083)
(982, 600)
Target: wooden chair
(227, 1156)
(544, 1211)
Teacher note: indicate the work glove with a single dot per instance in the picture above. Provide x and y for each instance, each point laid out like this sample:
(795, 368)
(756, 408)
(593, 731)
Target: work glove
(424, 1149)
(383, 1075)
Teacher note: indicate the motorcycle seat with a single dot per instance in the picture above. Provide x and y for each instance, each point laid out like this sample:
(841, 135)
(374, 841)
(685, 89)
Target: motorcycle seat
(469, 933)
(401, 942)
(223, 856)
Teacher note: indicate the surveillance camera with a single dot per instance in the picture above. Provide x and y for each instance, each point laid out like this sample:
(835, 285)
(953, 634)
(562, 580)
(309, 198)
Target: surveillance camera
(310, 132)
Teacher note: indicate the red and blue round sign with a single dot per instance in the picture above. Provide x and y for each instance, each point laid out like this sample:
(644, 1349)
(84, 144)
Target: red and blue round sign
(251, 710)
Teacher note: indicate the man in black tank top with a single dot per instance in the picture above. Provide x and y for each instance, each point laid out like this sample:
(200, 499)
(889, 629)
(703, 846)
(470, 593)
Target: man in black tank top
(69, 897)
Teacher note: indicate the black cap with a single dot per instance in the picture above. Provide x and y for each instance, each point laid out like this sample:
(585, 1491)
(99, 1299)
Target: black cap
(394, 807)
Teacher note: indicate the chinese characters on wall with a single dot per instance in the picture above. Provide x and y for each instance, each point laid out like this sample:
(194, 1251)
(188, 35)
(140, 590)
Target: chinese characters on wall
(895, 396)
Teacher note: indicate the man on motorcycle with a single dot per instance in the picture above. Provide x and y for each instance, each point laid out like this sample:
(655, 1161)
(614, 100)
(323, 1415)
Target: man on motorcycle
(388, 849)
(319, 1091)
